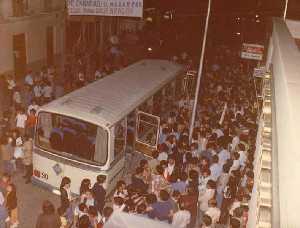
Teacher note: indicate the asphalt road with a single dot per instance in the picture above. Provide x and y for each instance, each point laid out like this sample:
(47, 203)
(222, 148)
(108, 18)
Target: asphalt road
(30, 199)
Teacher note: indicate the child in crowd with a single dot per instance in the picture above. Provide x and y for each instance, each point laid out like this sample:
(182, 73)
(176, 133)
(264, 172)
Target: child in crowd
(12, 205)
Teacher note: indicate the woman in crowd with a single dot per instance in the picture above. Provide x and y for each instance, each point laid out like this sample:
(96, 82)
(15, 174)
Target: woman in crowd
(66, 197)
(48, 218)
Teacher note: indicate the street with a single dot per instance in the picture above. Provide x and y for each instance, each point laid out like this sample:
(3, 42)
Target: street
(30, 199)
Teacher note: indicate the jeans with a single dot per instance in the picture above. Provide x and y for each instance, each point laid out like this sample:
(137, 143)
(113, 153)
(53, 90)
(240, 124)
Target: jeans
(219, 198)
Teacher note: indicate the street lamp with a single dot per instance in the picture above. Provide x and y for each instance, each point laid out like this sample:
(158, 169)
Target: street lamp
(199, 73)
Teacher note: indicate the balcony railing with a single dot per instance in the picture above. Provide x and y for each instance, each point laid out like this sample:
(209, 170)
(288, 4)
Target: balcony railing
(260, 206)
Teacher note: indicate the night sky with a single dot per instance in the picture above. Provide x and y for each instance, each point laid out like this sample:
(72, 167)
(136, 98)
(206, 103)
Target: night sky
(240, 7)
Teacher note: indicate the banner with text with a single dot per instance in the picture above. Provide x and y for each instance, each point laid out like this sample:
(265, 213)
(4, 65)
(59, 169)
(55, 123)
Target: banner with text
(252, 51)
(120, 8)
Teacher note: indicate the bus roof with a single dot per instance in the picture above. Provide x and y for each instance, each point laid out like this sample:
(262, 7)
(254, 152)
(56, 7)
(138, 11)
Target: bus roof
(108, 100)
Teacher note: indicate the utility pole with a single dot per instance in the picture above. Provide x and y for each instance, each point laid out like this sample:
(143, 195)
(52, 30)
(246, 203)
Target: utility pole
(285, 9)
(199, 73)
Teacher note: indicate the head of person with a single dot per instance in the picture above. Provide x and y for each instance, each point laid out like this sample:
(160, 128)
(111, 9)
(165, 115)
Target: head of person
(82, 207)
(181, 204)
(206, 173)
(226, 168)
(176, 195)
(118, 201)
(48, 208)
(93, 212)
(215, 159)
(171, 160)
(151, 198)
(139, 171)
(193, 175)
(65, 183)
(206, 221)
(107, 212)
(212, 203)
(211, 184)
(159, 170)
(141, 208)
(234, 223)
(11, 189)
(85, 185)
(89, 194)
(32, 112)
(183, 176)
(101, 179)
(84, 222)
(155, 154)
(121, 185)
(204, 161)
(6, 178)
(144, 163)
(164, 195)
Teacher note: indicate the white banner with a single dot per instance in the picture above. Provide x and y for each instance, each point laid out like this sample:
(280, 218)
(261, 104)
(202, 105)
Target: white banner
(121, 8)
(252, 51)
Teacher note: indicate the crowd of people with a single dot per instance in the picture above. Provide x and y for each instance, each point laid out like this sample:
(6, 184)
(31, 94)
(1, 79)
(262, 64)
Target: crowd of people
(206, 182)
(203, 181)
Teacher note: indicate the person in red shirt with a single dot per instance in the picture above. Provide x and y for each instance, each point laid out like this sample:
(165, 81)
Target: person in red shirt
(30, 123)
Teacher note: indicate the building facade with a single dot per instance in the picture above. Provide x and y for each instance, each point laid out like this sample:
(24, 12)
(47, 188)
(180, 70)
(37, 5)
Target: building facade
(275, 197)
(31, 34)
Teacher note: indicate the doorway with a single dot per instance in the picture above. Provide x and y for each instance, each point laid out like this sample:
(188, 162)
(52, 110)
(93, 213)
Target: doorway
(50, 46)
(19, 50)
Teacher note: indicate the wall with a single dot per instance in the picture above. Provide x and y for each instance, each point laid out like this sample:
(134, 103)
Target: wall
(286, 76)
(34, 26)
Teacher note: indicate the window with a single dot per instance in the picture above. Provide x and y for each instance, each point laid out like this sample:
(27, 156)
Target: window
(72, 138)
(19, 7)
(147, 129)
(120, 137)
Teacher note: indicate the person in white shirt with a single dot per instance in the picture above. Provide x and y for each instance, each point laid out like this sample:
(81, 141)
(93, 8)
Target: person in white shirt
(223, 155)
(170, 168)
(163, 156)
(11, 84)
(21, 121)
(207, 195)
(243, 154)
(17, 97)
(235, 142)
(236, 162)
(203, 179)
(37, 91)
(33, 106)
(47, 92)
(182, 217)
(221, 184)
(29, 79)
(213, 212)
(215, 168)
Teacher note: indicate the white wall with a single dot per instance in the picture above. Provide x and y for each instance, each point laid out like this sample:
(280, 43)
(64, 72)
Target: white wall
(286, 76)
(294, 28)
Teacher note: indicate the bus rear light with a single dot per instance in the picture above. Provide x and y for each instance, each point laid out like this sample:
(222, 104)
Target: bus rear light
(37, 173)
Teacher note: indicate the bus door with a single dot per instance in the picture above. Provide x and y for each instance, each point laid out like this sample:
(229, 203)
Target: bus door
(147, 132)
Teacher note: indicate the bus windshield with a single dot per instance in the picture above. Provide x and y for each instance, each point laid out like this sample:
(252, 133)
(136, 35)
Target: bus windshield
(72, 138)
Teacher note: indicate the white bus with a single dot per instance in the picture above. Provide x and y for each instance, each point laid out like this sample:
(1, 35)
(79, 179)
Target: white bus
(85, 133)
